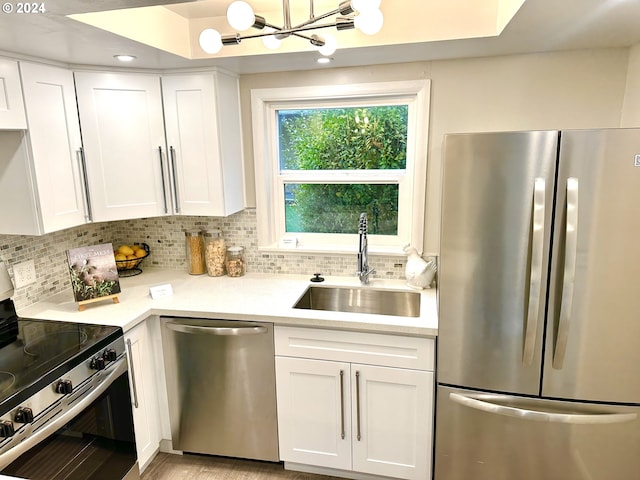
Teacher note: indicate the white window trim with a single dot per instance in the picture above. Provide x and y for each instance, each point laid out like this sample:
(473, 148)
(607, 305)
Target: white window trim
(270, 183)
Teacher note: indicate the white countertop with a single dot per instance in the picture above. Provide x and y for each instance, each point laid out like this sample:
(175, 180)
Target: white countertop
(253, 297)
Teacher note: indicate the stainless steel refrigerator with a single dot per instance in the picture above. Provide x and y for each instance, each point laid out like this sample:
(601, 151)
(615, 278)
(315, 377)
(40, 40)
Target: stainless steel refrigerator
(539, 305)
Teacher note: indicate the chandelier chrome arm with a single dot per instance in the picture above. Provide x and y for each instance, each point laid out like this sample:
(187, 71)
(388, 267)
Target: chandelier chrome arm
(235, 39)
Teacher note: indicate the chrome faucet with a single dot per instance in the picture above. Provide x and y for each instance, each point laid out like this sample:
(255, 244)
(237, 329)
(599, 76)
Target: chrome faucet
(363, 261)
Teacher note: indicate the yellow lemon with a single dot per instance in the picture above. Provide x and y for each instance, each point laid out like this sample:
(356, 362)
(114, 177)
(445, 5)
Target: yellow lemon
(125, 250)
(132, 261)
(140, 253)
(121, 256)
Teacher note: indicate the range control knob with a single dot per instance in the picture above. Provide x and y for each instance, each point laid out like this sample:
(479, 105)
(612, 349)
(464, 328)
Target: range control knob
(97, 363)
(23, 415)
(110, 355)
(63, 386)
(6, 428)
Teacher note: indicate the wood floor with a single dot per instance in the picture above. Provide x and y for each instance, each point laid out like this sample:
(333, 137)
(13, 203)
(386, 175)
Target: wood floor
(204, 467)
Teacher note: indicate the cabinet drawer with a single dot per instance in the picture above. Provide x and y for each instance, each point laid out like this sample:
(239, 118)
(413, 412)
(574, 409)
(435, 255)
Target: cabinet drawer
(368, 348)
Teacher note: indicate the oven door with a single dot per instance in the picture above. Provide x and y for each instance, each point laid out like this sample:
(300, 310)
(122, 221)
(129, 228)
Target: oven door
(86, 436)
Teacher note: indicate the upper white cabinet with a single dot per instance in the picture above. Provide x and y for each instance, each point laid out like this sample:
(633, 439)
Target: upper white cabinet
(355, 401)
(123, 138)
(202, 119)
(42, 174)
(54, 135)
(12, 114)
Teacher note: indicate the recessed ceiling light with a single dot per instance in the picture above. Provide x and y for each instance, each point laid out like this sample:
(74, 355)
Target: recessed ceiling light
(125, 58)
(324, 60)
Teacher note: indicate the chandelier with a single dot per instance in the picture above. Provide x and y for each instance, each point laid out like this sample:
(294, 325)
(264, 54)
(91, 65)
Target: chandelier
(365, 15)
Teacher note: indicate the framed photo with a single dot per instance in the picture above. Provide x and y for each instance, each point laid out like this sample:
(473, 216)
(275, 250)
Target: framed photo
(93, 271)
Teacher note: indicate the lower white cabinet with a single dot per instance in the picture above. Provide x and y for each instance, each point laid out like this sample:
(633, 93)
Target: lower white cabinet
(144, 397)
(373, 419)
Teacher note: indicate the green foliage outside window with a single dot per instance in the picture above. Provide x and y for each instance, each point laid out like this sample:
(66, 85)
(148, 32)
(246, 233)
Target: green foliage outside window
(371, 138)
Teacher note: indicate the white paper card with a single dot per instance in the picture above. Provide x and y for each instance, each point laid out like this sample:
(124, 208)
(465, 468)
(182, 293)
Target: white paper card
(160, 291)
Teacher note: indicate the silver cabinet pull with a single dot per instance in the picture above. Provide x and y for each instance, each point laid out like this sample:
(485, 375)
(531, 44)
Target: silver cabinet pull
(342, 403)
(133, 374)
(242, 330)
(358, 436)
(472, 401)
(88, 215)
(172, 154)
(164, 184)
(569, 275)
(535, 281)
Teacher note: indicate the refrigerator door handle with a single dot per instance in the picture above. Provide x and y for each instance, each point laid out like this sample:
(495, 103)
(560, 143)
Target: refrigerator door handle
(474, 401)
(568, 279)
(535, 279)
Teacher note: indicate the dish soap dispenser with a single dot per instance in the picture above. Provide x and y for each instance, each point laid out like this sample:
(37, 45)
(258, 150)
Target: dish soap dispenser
(419, 272)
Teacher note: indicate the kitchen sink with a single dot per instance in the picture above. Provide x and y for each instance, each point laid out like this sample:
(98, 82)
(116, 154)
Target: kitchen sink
(361, 300)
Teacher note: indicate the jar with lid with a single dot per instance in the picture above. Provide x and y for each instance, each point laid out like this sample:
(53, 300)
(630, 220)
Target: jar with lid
(215, 249)
(195, 253)
(235, 261)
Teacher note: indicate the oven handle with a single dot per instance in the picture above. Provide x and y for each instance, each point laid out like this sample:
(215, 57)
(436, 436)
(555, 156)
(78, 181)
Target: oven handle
(51, 427)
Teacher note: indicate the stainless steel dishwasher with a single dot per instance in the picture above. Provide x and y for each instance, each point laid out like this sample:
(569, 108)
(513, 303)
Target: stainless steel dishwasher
(221, 387)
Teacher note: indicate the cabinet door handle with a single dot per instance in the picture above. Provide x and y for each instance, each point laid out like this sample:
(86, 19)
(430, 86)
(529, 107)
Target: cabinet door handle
(358, 436)
(85, 185)
(133, 374)
(342, 403)
(164, 185)
(172, 154)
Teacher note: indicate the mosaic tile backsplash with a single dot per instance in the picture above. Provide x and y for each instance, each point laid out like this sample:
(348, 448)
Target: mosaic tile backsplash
(165, 237)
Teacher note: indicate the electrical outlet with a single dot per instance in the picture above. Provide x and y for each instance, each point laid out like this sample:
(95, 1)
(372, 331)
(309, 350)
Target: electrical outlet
(24, 273)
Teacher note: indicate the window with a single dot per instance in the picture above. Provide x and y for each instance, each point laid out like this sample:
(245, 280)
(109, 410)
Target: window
(323, 155)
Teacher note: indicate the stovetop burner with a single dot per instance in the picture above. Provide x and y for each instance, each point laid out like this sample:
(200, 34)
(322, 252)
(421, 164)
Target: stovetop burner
(7, 379)
(43, 351)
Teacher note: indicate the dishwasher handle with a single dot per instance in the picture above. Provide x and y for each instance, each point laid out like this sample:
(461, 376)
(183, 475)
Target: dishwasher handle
(236, 331)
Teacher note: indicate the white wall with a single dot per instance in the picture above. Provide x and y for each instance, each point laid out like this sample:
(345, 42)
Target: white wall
(631, 106)
(579, 89)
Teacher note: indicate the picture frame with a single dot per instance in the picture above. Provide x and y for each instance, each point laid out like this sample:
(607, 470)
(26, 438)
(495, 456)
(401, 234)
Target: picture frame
(93, 272)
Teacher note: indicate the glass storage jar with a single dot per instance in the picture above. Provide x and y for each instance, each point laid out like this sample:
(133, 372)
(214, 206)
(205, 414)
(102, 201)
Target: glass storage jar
(235, 261)
(195, 253)
(215, 249)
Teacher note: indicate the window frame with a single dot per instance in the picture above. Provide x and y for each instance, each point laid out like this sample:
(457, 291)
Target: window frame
(270, 181)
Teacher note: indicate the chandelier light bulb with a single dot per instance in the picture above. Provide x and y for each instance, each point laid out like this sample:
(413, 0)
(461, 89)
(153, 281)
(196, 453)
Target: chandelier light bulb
(210, 41)
(271, 41)
(330, 45)
(369, 22)
(240, 15)
(363, 6)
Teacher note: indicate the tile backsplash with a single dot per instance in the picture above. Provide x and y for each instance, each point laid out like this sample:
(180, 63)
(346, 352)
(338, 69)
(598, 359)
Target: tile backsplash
(165, 237)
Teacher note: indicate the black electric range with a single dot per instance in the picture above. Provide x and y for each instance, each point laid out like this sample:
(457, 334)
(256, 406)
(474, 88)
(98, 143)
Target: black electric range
(65, 403)
(35, 353)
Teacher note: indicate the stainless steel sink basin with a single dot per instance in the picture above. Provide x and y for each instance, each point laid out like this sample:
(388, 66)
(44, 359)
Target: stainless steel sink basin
(361, 300)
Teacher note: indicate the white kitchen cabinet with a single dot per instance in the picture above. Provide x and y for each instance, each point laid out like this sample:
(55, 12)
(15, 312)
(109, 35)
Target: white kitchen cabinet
(123, 138)
(12, 116)
(373, 418)
(42, 178)
(202, 121)
(314, 414)
(142, 378)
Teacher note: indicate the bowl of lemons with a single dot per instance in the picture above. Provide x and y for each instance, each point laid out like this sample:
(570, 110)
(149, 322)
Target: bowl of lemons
(129, 258)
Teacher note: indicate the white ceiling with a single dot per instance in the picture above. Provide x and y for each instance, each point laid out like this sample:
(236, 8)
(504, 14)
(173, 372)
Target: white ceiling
(539, 26)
